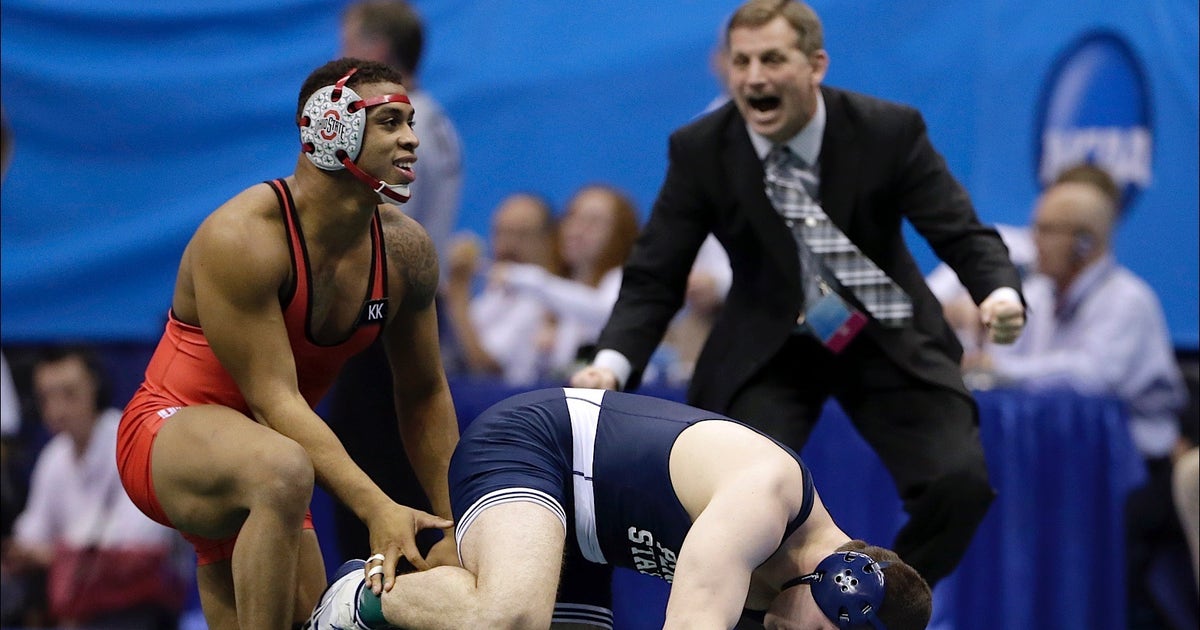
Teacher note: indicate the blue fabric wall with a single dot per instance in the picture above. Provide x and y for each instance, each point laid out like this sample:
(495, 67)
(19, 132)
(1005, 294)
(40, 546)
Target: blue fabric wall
(134, 120)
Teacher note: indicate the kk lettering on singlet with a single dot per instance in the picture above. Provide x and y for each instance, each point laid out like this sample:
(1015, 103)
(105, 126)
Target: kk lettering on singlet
(373, 312)
(649, 557)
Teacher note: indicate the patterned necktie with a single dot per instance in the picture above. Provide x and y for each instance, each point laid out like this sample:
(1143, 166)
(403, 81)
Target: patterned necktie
(792, 189)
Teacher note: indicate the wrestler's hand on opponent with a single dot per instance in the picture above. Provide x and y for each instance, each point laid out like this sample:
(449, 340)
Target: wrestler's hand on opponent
(394, 530)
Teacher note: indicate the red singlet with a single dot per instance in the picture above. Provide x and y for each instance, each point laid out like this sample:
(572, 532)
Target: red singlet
(184, 371)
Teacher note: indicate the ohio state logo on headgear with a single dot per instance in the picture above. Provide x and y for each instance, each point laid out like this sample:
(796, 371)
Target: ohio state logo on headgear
(329, 124)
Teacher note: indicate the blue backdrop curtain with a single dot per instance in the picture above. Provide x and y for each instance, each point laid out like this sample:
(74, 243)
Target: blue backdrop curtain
(134, 120)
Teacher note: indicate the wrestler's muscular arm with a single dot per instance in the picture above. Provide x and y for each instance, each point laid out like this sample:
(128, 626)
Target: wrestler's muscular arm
(239, 262)
(424, 409)
(740, 504)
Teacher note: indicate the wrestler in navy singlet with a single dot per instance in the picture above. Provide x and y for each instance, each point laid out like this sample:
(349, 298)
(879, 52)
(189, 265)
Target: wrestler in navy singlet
(598, 459)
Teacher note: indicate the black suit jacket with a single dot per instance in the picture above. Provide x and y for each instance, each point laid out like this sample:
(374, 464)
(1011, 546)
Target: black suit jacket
(877, 167)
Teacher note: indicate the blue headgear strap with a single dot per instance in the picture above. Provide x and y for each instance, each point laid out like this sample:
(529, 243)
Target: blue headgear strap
(848, 588)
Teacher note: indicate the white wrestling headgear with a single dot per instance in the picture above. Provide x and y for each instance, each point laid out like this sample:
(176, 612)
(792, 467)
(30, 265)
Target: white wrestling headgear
(331, 133)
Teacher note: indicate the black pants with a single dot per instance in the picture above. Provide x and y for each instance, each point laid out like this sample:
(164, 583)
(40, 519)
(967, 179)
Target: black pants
(927, 437)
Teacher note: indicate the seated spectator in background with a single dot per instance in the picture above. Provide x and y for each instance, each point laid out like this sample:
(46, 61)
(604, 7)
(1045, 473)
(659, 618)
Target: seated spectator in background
(961, 312)
(596, 234)
(10, 405)
(498, 330)
(107, 565)
(1095, 327)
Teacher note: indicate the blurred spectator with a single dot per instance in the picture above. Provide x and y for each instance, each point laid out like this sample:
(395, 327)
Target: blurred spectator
(362, 411)
(957, 305)
(1094, 325)
(1097, 328)
(596, 234)
(498, 330)
(105, 564)
(391, 32)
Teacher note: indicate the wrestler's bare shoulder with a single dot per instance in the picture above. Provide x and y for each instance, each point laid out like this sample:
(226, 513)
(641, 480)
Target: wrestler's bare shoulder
(246, 231)
(250, 217)
(412, 258)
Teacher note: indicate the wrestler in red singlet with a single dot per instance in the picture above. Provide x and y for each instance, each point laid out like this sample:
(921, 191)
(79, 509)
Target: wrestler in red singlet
(184, 371)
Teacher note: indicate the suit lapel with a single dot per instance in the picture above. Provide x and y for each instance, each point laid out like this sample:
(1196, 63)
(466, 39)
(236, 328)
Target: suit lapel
(838, 168)
(745, 173)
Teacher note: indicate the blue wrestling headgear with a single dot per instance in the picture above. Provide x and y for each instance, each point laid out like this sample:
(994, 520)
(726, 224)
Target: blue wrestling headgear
(331, 133)
(848, 588)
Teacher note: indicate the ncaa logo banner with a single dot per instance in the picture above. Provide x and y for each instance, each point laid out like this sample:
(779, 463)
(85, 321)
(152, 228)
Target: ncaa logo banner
(1095, 107)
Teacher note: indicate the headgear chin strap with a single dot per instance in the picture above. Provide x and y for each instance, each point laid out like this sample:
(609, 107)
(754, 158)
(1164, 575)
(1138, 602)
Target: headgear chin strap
(848, 588)
(331, 133)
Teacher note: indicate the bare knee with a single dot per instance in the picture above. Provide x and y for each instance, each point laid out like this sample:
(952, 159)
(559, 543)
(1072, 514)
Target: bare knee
(281, 479)
(503, 609)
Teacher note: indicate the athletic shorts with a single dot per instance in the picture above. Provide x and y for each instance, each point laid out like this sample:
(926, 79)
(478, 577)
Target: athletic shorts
(143, 417)
(536, 469)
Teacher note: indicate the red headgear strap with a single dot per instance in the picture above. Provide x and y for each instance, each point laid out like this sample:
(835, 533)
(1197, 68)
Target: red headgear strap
(376, 184)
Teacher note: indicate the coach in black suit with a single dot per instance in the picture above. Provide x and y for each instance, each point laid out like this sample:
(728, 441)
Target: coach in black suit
(900, 384)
